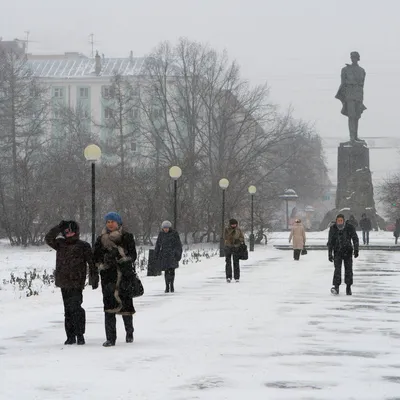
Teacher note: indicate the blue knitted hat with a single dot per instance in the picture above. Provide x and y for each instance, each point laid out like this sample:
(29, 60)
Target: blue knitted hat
(113, 216)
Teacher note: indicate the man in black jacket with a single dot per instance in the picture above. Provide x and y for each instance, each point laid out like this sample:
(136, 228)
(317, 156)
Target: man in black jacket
(72, 259)
(342, 238)
(366, 226)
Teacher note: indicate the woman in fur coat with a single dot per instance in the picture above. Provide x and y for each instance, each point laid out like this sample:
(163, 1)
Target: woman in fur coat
(115, 256)
(298, 235)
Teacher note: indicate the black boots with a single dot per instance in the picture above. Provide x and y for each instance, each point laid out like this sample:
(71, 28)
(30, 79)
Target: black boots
(108, 343)
(70, 340)
(80, 340)
(348, 290)
(129, 338)
(335, 290)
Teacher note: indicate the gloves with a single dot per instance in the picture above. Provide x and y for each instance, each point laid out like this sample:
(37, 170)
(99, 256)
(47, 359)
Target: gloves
(355, 253)
(330, 257)
(63, 225)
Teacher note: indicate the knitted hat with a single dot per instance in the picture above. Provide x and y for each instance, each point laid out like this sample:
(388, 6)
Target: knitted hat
(166, 224)
(71, 226)
(233, 221)
(113, 216)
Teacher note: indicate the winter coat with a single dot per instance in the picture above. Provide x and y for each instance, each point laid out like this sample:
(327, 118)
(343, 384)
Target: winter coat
(233, 237)
(365, 224)
(396, 232)
(72, 259)
(298, 234)
(342, 241)
(116, 264)
(168, 250)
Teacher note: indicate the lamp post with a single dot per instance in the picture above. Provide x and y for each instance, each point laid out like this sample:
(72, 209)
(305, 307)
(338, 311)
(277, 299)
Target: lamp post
(252, 191)
(289, 194)
(223, 184)
(175, 173)
(93, 153)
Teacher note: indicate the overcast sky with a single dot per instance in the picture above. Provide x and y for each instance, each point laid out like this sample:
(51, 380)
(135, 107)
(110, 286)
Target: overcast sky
(297, 46)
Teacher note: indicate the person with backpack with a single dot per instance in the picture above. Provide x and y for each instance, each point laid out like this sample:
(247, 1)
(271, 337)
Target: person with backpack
(342, 242)
(168, 252)
(115, 256)
(366, 226)
(234, 238)
(73, 257)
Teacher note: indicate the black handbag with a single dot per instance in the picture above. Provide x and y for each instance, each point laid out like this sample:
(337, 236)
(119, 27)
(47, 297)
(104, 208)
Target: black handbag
(304, 251)
(243, 252)
(138, 289)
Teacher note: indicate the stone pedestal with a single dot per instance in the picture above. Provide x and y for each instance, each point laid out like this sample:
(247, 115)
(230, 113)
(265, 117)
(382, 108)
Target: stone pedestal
(355, 192)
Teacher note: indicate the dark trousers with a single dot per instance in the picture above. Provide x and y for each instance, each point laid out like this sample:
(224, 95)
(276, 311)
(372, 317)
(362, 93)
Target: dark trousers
(75, 317)
(365, 237)
(347, 259)
(296, 254)
(110, 320)
(229, 254)
(169, 276)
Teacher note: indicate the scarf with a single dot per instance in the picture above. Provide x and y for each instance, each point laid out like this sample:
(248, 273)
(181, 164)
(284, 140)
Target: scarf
(112, 240)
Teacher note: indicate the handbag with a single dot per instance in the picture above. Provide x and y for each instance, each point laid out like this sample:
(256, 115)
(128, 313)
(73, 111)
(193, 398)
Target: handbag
(138, 289)
(243, 252)
(304, 251)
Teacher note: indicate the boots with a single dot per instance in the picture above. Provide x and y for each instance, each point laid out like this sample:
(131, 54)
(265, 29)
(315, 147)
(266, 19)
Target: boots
(108, 343)
(70, 340)
(335, 290)
(129, 338)
(80, 340)
(172, 287)
(166, 288)
(348, 290)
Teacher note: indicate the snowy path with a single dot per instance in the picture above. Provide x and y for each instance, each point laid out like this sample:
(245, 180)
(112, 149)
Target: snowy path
(278, 334)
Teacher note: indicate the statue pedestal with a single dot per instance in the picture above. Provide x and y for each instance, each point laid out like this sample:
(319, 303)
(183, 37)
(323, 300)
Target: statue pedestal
(355, 192)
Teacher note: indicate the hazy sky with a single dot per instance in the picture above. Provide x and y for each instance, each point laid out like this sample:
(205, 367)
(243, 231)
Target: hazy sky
(297, 46)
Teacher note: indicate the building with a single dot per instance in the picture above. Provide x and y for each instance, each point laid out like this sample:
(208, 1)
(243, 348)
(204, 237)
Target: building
(16, 46)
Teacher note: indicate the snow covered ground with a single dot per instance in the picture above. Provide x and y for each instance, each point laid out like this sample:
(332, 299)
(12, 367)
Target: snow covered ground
(278, 334)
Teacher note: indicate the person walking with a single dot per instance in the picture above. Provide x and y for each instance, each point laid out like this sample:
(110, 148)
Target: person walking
(396, 232)
(342, 241)
(168, 252)
(115, 256)
(298, 235)
(72, 259)
(366, 226)
(352, 220)
(234, 238)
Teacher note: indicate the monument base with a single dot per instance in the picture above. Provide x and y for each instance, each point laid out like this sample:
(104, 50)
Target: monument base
(355, 192)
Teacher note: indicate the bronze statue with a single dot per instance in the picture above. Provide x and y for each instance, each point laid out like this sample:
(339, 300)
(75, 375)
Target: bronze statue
(351, 93)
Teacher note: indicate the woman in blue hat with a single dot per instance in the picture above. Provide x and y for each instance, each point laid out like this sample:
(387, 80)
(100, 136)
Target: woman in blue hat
(115, 256)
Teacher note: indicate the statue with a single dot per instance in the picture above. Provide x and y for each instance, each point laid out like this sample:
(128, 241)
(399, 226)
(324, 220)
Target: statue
(351, 93)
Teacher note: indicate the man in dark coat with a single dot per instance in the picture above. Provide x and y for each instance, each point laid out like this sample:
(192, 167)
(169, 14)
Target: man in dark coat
(168, 252)
(234, 238)
(342, 238)
(352, 220)
(366, 226)
(115, 256)
(72, 259)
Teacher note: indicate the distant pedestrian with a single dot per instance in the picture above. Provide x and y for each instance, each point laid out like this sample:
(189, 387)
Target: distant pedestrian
(298, 235)
(342, 241)
(234, 238)
(115, 256)
(72, 261)
(352, 220)
(396, 232)
(168, 252)
(366, 226)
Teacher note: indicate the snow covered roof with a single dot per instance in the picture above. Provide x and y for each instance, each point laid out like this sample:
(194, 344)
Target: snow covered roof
(85, 67)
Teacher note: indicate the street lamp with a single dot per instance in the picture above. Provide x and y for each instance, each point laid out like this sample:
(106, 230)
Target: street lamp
(175, 173)
(93, 153)
(223, 184)
(252, 191)
(289, 194)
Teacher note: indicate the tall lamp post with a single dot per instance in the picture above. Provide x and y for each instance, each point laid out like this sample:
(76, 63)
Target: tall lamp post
(289, 194)
(223, 184)
(93, 153)
(252, 191)
(175, 173)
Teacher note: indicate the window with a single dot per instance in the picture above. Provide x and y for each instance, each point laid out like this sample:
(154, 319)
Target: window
(108, 113)
(133, 113)
(133, 146)
(57, 113)
(107, 92)
(84, 93)
(58, 93)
